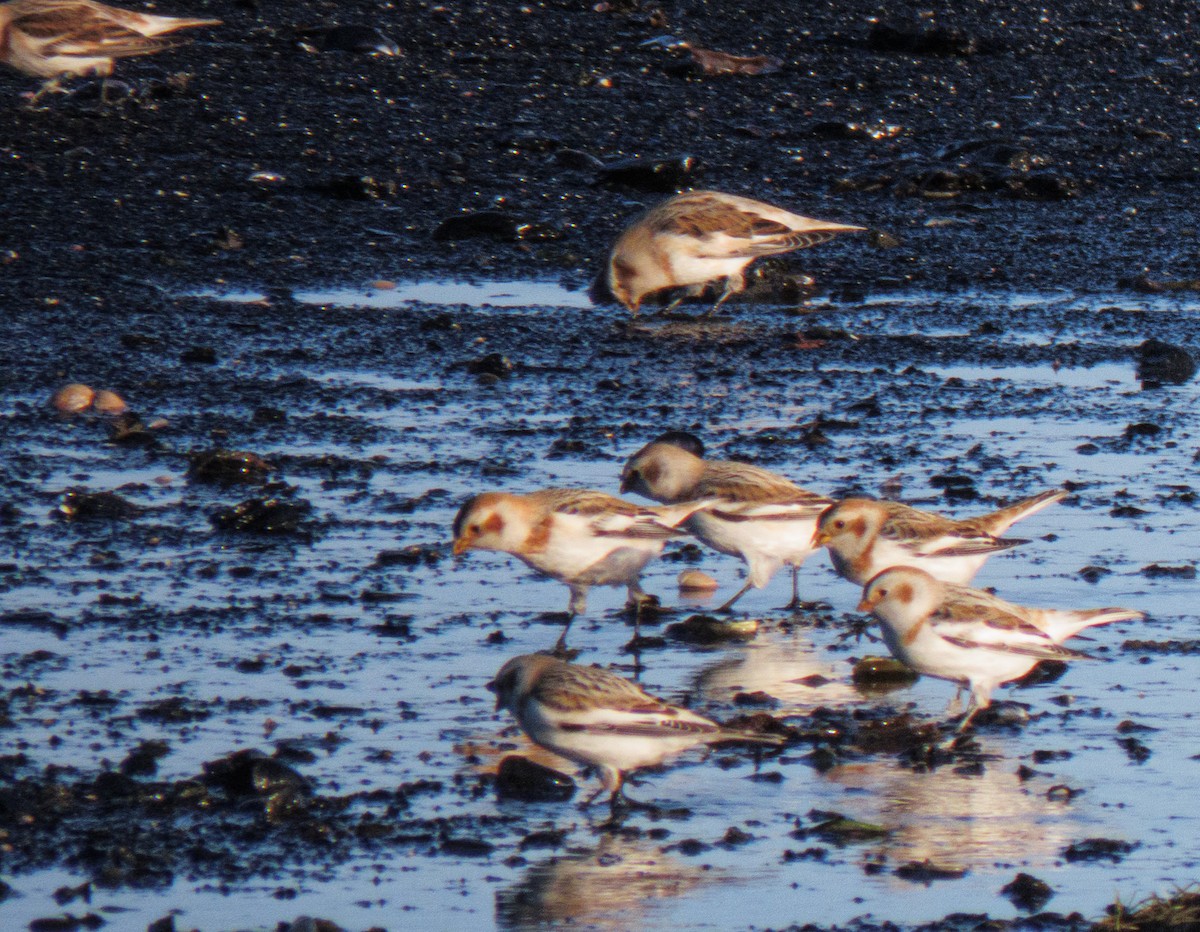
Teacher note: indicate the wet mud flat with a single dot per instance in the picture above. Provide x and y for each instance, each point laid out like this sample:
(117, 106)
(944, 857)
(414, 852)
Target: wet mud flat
(252, 689)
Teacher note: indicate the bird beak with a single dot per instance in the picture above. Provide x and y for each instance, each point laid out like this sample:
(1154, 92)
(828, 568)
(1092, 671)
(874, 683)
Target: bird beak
(624, 484)
(820, 539)
(462, 545)
(867, 604)
(491, 685)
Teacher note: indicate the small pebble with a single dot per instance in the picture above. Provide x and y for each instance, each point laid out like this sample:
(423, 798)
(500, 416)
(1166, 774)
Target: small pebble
(73, 398)
(108, 402)
(696, 581)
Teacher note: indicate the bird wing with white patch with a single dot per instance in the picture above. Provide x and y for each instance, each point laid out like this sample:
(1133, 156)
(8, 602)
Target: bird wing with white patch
(960, 545)
(968, 608)
(83, 30)
(1041, 651)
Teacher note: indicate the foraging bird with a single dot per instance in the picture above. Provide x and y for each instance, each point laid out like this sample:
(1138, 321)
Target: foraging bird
(55, 38)
(591, 716)
(580, 537)
(971, 637)
(698, 237)
(865, 537)
(758, 516)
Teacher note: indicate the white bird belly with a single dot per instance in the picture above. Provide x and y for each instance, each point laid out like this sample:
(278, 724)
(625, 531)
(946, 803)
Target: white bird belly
(765, 545)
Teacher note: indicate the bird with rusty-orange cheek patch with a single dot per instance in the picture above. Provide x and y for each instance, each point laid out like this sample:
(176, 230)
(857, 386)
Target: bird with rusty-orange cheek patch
(56, 38)
(592, 716)
(865, 536)
(699, 237)
(971, 637)
(580, 537)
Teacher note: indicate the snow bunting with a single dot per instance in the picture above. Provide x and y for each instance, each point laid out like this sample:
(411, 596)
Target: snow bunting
(969, 636)
(53, 38)
(865, 537)
(698, 237)
(759, 516)
(577, 536)
(592, 716)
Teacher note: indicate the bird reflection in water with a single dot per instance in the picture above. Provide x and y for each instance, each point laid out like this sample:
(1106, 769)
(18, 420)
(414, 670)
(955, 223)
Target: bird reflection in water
(619, 885)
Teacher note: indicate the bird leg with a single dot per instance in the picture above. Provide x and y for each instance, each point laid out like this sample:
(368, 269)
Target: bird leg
(797, 604)
(728, 606)
(619, 804)
(955, 706)
(733, 284)
(637, 603)
(52, 86)
(974, 707)
(560, 646)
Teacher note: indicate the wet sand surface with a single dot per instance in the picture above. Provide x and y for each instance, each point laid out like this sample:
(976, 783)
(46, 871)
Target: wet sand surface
(154, 632)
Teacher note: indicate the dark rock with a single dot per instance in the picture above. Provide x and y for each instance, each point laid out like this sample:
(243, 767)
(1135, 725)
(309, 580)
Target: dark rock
(531, 141)
(1159, 571)
(358, 187)
(757, 698)
(1045, 671)
(412, 555)
(1003, 714)
(1094, 574)
(493, 224)
(82, 505)
(282, 791)
(309, 924)
(264, 516)
(735, 837)
(1136, 751)
(202, 355)
(142, 761)
(523, 779)
(1027, 892)
(705, 629)
(922, 40)
(1098, 849)
(467, 847)
(356, 40)
(1143, 429)
(129, 429)
(657, 176)
(492, 364)
(1045, 757)
(550, 838)
(577, 160)
(690, 847)
(34, 618)
(228, 467)
(928, 871)
(875, 671)
(838, 829)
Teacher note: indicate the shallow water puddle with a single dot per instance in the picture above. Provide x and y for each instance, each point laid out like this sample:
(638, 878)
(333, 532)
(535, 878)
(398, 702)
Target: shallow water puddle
(378, 667)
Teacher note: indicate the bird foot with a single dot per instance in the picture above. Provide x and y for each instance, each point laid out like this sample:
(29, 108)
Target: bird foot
(562, 652)
(642, 603)
(797, 606)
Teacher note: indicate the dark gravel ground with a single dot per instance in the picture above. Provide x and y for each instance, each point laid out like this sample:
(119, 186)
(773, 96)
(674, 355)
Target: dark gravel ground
(1024, 146)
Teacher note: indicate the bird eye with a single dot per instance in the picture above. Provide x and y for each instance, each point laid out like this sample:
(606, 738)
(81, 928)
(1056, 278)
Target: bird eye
(474, 529)
(882, 593)
(839, 524)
